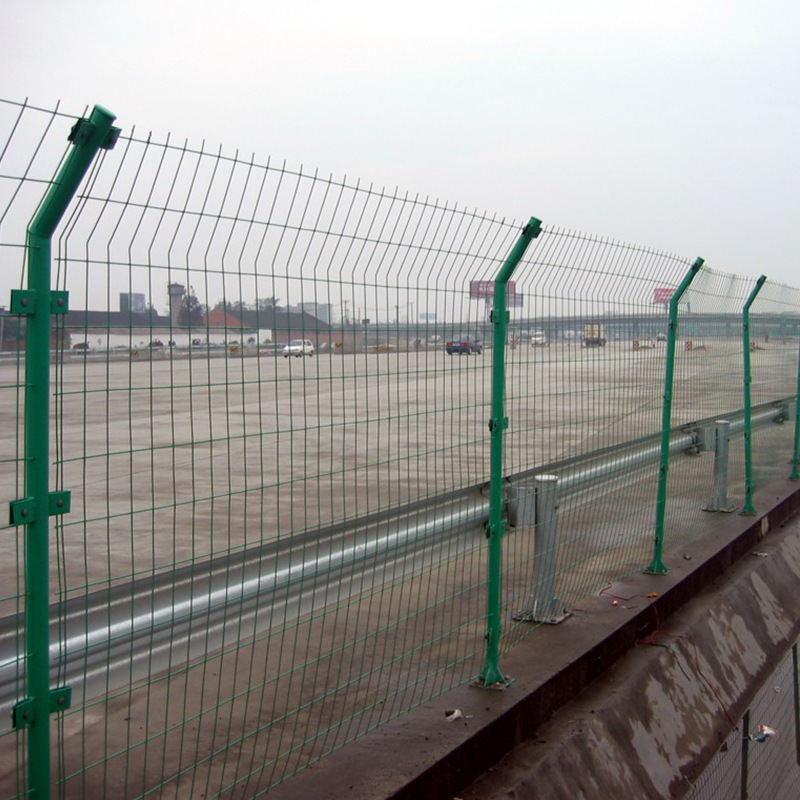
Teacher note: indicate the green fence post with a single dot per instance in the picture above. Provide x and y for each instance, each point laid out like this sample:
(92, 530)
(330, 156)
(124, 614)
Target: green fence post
(37, 303)
(490, 674)
(748, 509)
(795, 476)
(657, 565)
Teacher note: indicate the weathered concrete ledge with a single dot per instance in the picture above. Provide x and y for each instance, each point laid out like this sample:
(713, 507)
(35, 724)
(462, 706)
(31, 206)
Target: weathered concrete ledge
(594, 711)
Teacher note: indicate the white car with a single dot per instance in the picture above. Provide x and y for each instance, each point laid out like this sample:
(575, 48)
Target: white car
(298, 348)
(538, 338)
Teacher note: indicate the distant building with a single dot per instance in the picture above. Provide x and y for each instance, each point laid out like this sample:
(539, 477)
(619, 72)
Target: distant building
(132, 302)
(176, 293)
(100, 330)
(322, 311)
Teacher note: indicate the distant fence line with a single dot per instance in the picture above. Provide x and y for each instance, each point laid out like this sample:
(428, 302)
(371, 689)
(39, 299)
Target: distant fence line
(361, 522)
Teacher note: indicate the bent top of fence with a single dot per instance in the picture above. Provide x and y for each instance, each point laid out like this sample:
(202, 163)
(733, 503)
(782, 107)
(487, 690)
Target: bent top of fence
(267, 368)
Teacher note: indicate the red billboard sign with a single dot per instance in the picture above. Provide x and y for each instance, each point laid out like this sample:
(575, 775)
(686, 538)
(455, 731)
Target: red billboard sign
(481, 289)
(661, 297)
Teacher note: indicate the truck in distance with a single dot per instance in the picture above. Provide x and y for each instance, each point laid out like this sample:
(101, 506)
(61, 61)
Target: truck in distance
(593, 335)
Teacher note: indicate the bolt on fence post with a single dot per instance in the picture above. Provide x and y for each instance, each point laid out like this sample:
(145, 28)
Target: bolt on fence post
(795, 476)
(537, 510)
(748, 509)
(719, 497)
(490, 675)
(88, 136)
(657, 565)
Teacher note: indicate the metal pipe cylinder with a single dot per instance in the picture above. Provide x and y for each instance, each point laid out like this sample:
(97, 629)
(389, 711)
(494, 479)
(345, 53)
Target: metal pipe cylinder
(719, 497)
(538, 509)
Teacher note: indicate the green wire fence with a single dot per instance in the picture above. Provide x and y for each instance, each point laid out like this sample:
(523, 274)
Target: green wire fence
(272, 407)
(761, 757)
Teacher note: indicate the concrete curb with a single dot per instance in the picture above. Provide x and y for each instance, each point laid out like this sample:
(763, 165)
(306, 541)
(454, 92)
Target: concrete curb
(629, 736)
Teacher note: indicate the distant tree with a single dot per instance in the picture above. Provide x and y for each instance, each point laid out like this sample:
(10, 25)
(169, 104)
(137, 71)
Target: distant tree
(223, 305)
(268, 303)
(191, 312)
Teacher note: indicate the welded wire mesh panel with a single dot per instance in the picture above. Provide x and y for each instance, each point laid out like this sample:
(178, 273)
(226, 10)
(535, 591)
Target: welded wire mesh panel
(29, 156)
(774, 771)
(270, 406)
(263, 374)
(710, 384)
(12, 379)
(759, 760)
(586, 372)
(774, 338)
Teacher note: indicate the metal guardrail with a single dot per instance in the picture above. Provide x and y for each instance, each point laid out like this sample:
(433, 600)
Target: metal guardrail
(112, 638)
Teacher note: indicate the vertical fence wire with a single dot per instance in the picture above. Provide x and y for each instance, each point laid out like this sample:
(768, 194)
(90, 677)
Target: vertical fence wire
(184, 441)
(271, 403)
(774, 338)
(29, 162)
(586, 375)
(759, 767)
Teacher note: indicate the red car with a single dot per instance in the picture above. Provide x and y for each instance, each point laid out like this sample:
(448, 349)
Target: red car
(464, 345)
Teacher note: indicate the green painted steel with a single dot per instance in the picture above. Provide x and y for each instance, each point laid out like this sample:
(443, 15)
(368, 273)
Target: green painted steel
(490, 674)
(88, 136)
(657, 565)
(204, 472)
(748, 509)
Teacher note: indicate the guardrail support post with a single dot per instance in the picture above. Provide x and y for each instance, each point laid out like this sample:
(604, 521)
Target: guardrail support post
(490, 676)
(748, 509)
(537, 511)
(657, 565)
(719, 498)
(37, 303)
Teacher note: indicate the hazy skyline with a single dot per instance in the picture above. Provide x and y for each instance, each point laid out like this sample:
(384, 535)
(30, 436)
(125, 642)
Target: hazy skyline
(672, 126)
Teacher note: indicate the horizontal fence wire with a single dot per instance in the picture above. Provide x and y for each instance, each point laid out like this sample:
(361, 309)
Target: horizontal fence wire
(29, 158)
(585, 375)
(269, 371)
(774, 337)
(750, 764)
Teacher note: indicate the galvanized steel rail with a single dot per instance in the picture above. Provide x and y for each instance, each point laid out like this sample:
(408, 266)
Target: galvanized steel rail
(113, 638)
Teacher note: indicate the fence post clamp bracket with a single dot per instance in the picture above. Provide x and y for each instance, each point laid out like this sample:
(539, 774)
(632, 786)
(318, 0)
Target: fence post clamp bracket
(59, 503)
(24, 713)
(498, 424)
(83, 130)
(23, 301)
(22, 512)
(59, 302)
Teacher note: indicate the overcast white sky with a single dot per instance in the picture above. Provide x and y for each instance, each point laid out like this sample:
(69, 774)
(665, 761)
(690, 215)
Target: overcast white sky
(672, 125)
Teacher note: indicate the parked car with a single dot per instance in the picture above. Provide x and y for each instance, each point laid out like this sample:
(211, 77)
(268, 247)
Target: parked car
(464, 344)
(538, 338)
(298, 348)
(270, 349)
